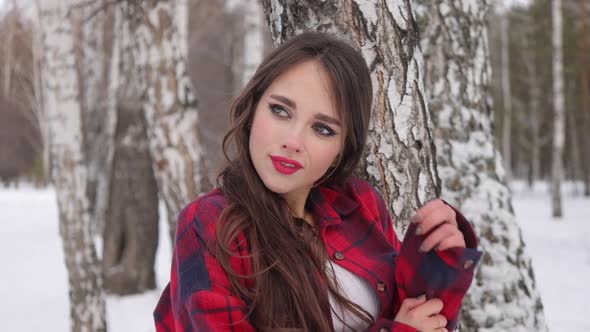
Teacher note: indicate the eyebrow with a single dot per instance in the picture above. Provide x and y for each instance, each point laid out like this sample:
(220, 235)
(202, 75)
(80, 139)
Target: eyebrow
(293, 105)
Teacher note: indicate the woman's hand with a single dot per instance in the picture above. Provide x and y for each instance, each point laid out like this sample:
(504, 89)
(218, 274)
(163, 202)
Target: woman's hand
(422, 315)
(438, 217)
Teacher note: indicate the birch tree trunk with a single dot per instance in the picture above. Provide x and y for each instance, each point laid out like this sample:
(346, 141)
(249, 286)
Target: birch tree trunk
(504, 296)
(585, 87)
(130, 234)
(97, 77)
(400, 157)
(506, 95)
(534, 106)
(572, 122)
(559, 110)
(8, 54)
(169, 103)
(39, 104)
(253, 38)
(69, 173)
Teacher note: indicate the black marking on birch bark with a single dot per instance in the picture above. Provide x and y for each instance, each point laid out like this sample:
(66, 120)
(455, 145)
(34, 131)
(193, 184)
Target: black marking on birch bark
(431, 173)
(357, 20)
(386, 193)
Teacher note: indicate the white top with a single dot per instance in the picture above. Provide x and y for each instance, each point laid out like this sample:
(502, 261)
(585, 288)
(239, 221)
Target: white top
(357, 290)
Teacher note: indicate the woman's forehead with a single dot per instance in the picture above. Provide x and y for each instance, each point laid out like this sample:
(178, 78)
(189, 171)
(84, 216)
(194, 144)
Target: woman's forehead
(305, 86)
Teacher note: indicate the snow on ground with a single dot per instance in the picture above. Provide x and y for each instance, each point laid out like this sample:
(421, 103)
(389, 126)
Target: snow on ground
(561, 254)
(33, 285)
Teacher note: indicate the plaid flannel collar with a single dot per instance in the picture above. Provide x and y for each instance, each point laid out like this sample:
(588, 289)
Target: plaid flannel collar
(330, 205)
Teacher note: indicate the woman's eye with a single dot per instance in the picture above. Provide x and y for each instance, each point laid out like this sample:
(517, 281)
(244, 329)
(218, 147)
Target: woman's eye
(279, 110)
(323, 130)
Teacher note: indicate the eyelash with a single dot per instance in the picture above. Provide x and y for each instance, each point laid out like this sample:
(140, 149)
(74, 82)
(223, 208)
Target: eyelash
(278, 109)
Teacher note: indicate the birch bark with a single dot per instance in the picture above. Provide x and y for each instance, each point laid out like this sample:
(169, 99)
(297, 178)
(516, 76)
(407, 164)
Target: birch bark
(558, 109)
(169, 104)
(38, 100)
(253, 39)
(506, 94)
(504, 296)
(97, 74)
(69, 173)
(130, 234)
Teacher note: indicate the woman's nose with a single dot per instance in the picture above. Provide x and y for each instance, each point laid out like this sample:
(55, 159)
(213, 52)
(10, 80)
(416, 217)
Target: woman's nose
(292, 143)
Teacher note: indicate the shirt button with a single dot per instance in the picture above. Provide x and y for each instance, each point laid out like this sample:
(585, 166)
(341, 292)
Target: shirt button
(381, 286)
(338, 255)
(468, 264)
(384, 329)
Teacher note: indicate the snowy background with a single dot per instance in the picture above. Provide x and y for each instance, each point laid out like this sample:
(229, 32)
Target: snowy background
(34, 285)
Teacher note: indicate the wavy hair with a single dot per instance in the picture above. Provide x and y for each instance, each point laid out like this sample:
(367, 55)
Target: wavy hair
(289, 280)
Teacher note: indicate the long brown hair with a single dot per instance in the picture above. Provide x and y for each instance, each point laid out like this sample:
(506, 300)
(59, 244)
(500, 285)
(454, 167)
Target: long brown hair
(288, 259)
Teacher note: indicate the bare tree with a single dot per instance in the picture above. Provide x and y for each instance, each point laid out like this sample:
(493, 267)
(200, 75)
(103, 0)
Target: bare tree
(169, 102)
(506, 95)
(19, 141)
(559, 110)
(458, 73)
(8, 56)
(131, 231)
(69, 174)
(19, 125)
(253, 38)
(38, 98)
(215, 68)
(97, 69)
(572, 124)
(585, 89)
(534, 113)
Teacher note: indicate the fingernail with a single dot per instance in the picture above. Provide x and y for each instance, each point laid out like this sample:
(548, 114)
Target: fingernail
(419, 230)
(422, 297)
(421, 249)
(415, 218)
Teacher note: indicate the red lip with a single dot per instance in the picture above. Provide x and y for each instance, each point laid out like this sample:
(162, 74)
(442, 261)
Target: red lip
(277, 163)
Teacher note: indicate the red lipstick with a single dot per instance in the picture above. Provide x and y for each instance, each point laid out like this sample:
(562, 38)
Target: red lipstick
(284, 165)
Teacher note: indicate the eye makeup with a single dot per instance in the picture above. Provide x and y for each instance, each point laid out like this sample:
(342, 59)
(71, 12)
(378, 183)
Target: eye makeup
(319, 127)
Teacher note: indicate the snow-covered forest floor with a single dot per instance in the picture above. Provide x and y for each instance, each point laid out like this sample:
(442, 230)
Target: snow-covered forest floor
(33, 285)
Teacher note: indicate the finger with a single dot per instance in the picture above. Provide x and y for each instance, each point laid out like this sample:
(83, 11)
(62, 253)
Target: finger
(428, 308)
(435, 218)
(437, 236)
(436, 322)
(411, 303)
(454, 241)
(426, 209)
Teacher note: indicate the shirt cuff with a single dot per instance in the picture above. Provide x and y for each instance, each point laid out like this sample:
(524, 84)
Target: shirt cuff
(462, 258)
(465, 228)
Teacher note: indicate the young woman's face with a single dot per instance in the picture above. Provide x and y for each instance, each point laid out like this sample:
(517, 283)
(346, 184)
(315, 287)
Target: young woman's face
(296, 132)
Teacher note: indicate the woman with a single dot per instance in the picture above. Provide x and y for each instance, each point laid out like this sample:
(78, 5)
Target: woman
(291, 240)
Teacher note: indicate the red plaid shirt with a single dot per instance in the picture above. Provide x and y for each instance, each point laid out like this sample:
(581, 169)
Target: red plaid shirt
(357, 231)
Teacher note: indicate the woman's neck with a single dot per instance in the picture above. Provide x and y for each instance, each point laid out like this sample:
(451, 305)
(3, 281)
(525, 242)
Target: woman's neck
(296, 202)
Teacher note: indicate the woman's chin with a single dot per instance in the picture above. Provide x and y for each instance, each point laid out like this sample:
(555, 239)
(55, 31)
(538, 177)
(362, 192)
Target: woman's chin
(276, 186)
